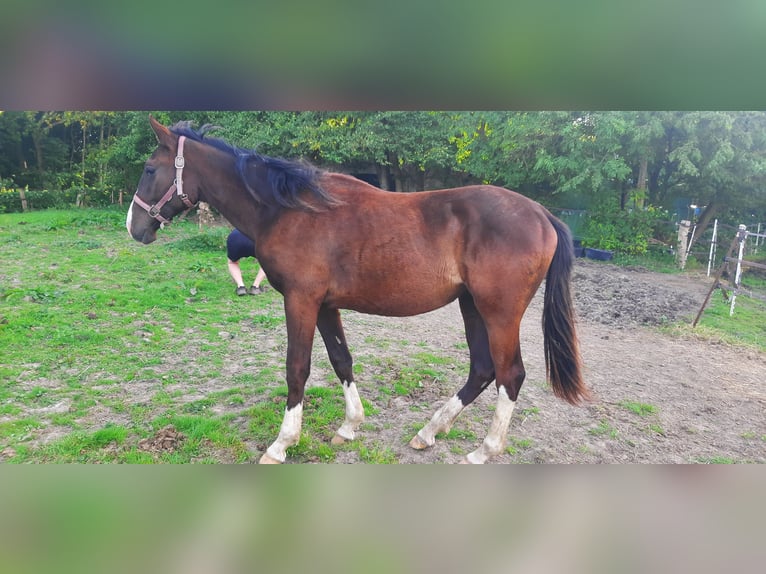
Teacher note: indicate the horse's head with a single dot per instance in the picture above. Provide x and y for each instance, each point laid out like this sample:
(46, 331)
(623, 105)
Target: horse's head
(164, 190)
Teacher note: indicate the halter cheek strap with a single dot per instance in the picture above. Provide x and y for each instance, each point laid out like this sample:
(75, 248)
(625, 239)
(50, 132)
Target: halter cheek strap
(177, 188)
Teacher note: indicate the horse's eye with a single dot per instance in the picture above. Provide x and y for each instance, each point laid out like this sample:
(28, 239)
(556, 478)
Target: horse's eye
(149, 169)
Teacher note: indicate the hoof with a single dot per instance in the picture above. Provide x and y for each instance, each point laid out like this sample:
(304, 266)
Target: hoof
(467, 459)
(418, 443)
(338, 440)
(266, 459)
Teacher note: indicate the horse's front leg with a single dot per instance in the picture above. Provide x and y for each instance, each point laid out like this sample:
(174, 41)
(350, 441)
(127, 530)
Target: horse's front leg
(301, 322)
(331, 329)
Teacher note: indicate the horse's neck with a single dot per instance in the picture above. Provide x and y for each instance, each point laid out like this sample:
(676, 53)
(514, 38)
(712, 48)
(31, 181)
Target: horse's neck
(222, 188)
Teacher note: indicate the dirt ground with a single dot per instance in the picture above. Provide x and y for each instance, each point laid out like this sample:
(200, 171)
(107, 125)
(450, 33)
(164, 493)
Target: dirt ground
(708, 398)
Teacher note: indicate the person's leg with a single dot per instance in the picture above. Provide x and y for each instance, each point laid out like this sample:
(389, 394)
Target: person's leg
(236, 274)
(256, 288)
(259, 277)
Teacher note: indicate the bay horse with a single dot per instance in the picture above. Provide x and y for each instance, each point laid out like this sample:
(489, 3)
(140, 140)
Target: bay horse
(329, 241)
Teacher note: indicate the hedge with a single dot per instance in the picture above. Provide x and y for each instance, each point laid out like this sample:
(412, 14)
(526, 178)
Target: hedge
(10, 199)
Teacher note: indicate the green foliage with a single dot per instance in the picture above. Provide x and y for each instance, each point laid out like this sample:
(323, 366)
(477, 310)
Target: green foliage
(659, 260)
(10, 199)
(622, 231)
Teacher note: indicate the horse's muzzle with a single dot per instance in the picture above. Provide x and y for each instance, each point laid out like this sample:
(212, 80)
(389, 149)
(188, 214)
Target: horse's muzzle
(147, 237)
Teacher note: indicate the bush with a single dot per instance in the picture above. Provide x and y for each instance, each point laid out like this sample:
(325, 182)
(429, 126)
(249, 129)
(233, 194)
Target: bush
(609, 227)
(10, 199)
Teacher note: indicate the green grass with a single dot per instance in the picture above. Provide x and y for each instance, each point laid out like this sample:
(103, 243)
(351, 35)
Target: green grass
(518, 444)
(458, 434)
(426, 369)
(639, 409)
(377, 454)
(96, 327)
(748, 324)
(715, 460)
(604, 429)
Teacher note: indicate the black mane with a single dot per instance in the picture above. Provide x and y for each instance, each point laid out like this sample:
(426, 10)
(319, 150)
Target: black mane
(285, 180)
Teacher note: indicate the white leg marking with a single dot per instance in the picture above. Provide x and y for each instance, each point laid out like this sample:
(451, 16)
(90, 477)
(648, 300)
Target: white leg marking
(129, 218)
(289, 434)
(354, 414)
(441, 422)
(494, 442)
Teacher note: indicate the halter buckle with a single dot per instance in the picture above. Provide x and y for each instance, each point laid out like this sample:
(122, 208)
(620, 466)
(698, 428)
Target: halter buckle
(154, 211)
(180, 163)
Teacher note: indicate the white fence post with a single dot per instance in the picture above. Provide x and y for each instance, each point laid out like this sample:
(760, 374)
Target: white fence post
(683, 236)
(711, 258)
(741, 237)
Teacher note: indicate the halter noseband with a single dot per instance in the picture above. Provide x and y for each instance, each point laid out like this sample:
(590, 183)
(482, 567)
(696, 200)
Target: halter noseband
(177, 187)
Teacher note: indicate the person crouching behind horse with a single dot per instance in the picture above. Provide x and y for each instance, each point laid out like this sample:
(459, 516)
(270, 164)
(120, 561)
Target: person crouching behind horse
(238, 245)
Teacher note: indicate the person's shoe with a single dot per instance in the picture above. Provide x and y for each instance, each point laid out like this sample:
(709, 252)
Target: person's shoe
(241, 290)
(255, 290)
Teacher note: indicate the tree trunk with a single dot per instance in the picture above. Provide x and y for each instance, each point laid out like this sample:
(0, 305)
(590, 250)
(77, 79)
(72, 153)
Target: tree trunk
(80, 201)
(710, 212)
(82, 162)
(384, 177)
(420, 180)
(101, 166)
(37, 141)
(643, 169)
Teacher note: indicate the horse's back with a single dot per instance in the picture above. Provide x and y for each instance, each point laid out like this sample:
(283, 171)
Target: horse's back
(405, 253)
(449, 227)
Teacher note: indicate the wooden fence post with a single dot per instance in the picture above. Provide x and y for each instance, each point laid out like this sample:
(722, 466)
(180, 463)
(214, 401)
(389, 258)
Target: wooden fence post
(23, 196)
(205, 215)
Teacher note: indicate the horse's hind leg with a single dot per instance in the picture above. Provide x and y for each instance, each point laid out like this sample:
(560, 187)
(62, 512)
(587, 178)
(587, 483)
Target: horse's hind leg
(331, 329)
(480, 375)
(506, 355)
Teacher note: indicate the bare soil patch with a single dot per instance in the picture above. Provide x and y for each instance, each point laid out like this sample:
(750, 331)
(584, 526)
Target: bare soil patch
(167, 439)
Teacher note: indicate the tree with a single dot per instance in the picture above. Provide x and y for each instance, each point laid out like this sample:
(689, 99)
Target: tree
(548, 155)
(714, 159)
(403, 147)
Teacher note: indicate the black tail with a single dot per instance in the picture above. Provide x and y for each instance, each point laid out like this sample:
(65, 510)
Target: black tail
(562, 351)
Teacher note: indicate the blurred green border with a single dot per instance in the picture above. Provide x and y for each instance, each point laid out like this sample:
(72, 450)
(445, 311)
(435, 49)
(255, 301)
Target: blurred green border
(490, 54)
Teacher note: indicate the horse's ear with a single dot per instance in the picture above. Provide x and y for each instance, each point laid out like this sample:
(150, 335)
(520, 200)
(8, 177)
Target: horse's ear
(164, 136)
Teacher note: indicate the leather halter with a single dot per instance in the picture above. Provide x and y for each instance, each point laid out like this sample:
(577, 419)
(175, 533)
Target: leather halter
(177, 187)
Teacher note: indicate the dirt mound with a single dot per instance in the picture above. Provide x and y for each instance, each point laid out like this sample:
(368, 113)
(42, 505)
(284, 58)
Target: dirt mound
(621, 297)
(167, 439)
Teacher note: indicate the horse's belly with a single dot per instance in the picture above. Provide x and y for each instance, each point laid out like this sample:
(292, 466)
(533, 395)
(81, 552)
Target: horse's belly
(401, 301)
